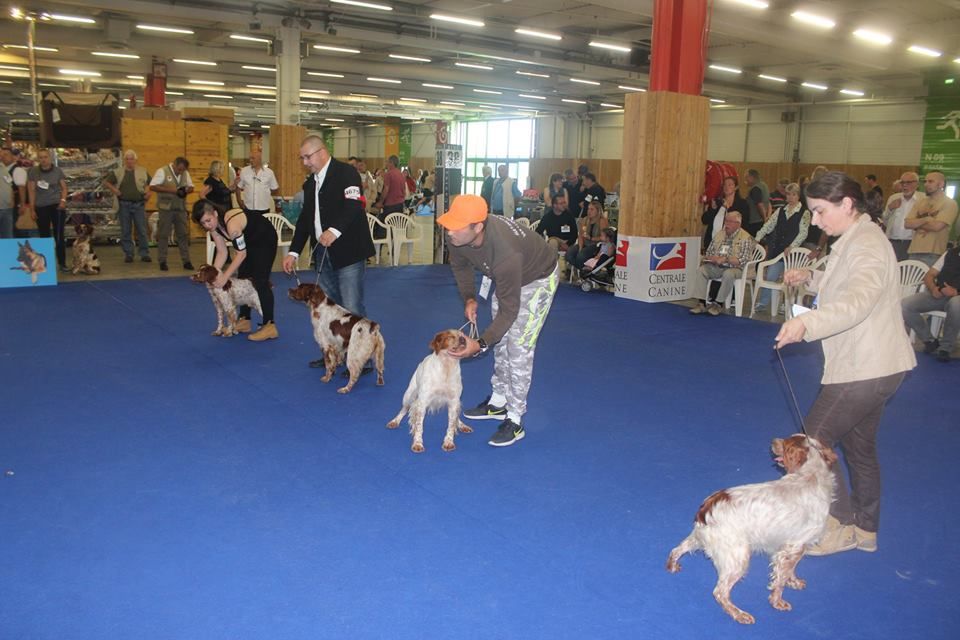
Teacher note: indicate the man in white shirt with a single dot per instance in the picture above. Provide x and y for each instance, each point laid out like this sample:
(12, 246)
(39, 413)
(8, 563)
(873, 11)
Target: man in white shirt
(899, 205)
(172, 183)
(369, 185)
(258, 184)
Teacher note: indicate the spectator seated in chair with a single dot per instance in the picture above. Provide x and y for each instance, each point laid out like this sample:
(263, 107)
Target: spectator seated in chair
(559, 225)
(591, 234)
(942, 283)
(729, 250)
(784, 230)
(599, 268)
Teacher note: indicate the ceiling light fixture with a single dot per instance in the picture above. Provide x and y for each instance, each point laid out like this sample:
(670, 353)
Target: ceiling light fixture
(571, 101)
(436, 86)
(428, 112)
(612, 106)
(324, 74)
(813, 19)
(237, 36)
(720, 67)
(173, 93)
(13, 68)
(80, 73)
(136, 77)
(629, 88)
(753, 4)
(470, 65)
(496, 93)
(932, 53)
(323, 91)
(310, 102)
(217, 95)
(453, 104)
(387, 80)
(811, 85)
(364, 95)
(532, 75)
(265, 100)
(213, 82)
(538, 34)
(324, 47)
(255, 68)
(364, 5)
(852, 92)
(111, 54)
(531, 96)
(64, 18)
(153, 27)
(594, 83)
(333, 119)
(35, 48)
(445, 18)
(397, 56)
(204, 63)
(718, 100)
(611, 47)
(267, 87)
(771, 78)
(873, 37)
(413, 99)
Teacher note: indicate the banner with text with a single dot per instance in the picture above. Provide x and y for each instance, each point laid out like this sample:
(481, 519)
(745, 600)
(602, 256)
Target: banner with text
(391, 141)
(405, 144)
(656, 269)
(941, 138)
(27, 262)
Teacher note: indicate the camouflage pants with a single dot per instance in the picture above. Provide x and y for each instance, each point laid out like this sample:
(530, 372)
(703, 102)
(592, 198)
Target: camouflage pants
(513, 355)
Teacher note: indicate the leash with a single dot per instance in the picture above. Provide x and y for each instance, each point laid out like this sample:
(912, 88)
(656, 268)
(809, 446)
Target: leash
(474, 334)
(295, 273)
(796, 405)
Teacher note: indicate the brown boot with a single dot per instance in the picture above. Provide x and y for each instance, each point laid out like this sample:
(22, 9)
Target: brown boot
(836, 538)
(242, 325)
(265, 332)
(866, 540)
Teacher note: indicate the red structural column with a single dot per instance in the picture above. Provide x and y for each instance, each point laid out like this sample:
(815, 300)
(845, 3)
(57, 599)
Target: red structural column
(155, 93)
(680, 29)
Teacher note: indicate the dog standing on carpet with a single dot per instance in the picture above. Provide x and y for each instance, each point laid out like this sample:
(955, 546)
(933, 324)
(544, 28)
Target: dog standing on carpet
(236, 292)
(436, 383)
(778, 518)
(84, 259)
(341, 335)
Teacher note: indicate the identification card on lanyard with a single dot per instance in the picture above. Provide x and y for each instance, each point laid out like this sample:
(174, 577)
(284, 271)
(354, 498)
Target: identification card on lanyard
(485, 287)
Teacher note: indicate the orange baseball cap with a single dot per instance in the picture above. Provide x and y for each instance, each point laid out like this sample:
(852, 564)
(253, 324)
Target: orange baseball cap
(465, 209)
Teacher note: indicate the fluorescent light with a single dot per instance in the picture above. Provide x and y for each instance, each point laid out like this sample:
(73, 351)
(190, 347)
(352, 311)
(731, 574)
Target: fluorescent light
(364, 95)
(80, 73)
(629, 88)
(44, 84)
(397, 56)
(264, 100)
(413, 99)
(753, 4)
(217, 95)
(13, 68)
(612, 106)
(428, 112)
(255, 68)
(267, 87)
(365, 5)
(531, 96)
(324, 75)
(933, 53)
(852, 92)
(718, 100)
(452, 104)
(597, 84)
(956, 59)
(436, 86)
(873, 37)
(469, 65)
(35, 48)
(243, 125)
(720, 67)
(136, 77)
(445, 18)
(772, 78)
(39, 84)
(324, 47)
(153, 27)
(611, 47)
(538, 34)
(204, 63)
(310, 102)
(813, 19)
(532, 75)
(110, 54)
(573, 101)
(333, 119)
(496, 93)
(237, 36)
(388, 80)
(213, 82)
(64, 18)
(323, 91)
(173, 93)
(811, 85)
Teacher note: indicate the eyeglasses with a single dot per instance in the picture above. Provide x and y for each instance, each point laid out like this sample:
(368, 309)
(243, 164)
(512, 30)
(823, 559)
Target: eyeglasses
(309, 155)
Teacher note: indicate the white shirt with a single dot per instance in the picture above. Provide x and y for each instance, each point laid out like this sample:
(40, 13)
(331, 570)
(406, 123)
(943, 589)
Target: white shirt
(183, 180)
(256, 187)
(19, 175)
(938, 265)
(894, 218)
(318, 179)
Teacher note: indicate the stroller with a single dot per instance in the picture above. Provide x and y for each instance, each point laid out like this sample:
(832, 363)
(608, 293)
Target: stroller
(597, 273)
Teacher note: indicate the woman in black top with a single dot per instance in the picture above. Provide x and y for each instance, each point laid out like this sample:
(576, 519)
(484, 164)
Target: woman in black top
(255, 242)
(714, 212)
(214, 188)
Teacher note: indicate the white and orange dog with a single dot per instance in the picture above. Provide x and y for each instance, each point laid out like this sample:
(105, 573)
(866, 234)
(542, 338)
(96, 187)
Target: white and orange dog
(341, 335)
(236, 292)
(777, 518)
(84, 259)
(435, 384)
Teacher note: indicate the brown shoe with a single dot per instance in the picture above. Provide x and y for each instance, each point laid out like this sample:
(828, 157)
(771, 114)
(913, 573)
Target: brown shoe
(714, 309)
(266, 332)
(242, 325)
(866, 540)
(834, 540)
(697, 310)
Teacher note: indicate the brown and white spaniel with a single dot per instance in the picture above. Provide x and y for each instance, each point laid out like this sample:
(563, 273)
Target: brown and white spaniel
(777, 518)
(341, 335)
(84, 259)
(435, 384)
(235, 292)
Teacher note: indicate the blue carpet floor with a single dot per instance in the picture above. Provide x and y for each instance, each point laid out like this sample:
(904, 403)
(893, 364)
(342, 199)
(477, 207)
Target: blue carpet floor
(165, 484)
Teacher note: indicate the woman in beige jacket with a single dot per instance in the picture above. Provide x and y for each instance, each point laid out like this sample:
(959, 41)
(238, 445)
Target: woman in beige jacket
(866, 352)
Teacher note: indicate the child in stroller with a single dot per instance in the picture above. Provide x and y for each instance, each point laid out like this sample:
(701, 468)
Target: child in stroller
(597, 272)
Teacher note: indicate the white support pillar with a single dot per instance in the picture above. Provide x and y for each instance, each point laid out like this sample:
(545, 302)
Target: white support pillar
(288, 75)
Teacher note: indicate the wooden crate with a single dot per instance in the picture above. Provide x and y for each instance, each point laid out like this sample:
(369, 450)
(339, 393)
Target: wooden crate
(203, 142)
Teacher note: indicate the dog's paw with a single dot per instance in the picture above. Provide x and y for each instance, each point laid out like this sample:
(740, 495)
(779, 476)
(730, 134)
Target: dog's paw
(217, 332)
(796, 583)
(379, 379)
(345, 389)
(742, 617)
(417, 447)
(780, 604)
(393, 424)
(326, 378)
(673, 566)
(462, 428)
(448, 445)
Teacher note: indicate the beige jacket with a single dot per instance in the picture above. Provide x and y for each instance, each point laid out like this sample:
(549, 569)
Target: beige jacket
(858, 316)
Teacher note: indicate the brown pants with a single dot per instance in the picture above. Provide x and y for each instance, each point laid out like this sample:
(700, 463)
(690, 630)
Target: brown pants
(849, 414)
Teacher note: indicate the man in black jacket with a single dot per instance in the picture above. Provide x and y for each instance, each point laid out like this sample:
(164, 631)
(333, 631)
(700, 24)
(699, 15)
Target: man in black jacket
(333, 215)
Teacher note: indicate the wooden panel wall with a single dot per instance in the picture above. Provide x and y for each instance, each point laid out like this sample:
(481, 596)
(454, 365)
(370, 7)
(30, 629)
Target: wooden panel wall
(284, 159)
(203, 142)
(665, 150)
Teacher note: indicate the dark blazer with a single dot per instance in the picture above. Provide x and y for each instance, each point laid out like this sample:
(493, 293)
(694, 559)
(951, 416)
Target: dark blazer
(341, 208)
(486, 191)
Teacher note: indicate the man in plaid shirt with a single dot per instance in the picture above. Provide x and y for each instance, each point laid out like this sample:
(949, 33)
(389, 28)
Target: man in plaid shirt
(730, 249)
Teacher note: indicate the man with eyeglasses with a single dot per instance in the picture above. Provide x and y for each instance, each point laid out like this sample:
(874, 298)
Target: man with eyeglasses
(931, 221)
(333, 215)
(259, 185)
(899, 206)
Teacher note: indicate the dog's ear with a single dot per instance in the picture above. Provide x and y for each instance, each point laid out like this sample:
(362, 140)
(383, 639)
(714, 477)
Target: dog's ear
(317, 296)
(777, 447)
(439, 342)
(794, 455)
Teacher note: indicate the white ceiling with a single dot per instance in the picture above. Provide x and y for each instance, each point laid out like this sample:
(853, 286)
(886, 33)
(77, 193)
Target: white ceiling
(766, 42)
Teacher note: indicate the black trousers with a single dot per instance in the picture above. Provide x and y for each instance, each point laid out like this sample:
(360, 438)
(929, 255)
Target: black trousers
(378, 232)
(48, 216)
(849, 414)
(257, 266)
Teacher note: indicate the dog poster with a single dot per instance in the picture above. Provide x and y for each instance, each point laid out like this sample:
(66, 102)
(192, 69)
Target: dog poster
(27, 262)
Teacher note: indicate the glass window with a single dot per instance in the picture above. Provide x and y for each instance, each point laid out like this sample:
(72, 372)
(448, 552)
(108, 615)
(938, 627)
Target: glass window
(498, 138)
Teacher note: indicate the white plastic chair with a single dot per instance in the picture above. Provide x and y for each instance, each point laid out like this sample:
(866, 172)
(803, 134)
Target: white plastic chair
(798, 258)
(912, 273)
(523, 222)
(735, 297)
(535, 225)
(401, 227)
(283, 226)
(379, 243)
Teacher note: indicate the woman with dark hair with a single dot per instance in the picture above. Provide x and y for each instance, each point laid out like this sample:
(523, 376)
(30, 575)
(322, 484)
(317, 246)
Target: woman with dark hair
(715, 211)
(214, 188)
(555, 188)
(255, 242)
(591, 235)
(867, 353)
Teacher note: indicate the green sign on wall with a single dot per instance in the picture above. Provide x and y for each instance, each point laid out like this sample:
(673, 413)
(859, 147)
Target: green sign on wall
(406, 144)
(941, 138)
(328, 140)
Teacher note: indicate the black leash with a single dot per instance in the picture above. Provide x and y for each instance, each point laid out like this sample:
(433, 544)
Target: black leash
(796, 405)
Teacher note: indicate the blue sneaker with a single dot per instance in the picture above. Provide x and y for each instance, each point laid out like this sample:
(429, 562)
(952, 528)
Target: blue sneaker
(507, 433)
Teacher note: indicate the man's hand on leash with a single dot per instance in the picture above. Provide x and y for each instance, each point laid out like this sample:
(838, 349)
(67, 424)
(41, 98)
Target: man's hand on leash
(470, 311)
(289, 263)
(327, 238)
(791, 331)
(467, 349)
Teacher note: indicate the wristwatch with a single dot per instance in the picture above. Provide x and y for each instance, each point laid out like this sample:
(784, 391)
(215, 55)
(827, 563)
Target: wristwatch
(483, 347)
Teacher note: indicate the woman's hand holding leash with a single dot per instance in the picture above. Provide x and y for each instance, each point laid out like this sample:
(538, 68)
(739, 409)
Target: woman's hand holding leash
(796, 277)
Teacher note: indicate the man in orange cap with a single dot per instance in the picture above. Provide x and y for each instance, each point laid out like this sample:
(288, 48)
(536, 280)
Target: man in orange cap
(523, 267)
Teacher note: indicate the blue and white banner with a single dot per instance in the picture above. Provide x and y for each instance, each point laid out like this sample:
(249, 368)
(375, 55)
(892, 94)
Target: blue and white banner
(656, 269)
(27, 262)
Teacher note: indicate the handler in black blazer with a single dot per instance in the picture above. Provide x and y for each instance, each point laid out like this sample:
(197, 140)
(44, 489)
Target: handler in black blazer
(333, 214)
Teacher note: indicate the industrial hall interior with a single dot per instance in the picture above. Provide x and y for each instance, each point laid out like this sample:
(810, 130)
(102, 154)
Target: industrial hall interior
(500, 319)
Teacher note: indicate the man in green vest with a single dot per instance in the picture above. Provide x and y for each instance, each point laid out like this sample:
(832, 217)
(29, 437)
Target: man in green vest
(172, 183)
(129, 183)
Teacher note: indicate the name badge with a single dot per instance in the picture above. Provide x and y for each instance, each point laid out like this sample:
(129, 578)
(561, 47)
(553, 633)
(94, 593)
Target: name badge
(564, 228)
(43, 184)
(724, 250)
(485, 287)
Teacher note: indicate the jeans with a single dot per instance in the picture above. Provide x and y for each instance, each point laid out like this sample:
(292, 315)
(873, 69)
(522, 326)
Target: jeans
(132, 212)
(848, 414)
(926, 258)
(773, 272)
(345, 285)
(919, 303)
(52, 215)
(900, 249)
(6, 223)
(577, 256)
